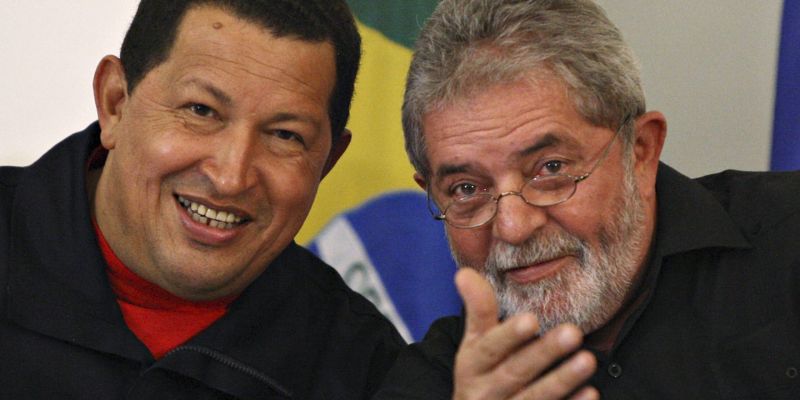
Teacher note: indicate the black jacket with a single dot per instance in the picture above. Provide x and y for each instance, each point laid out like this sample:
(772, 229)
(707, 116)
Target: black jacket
(297, 332)
(722, 318)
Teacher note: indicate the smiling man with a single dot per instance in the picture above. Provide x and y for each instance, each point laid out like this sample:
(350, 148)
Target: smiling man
(152, 255)
(587, 268)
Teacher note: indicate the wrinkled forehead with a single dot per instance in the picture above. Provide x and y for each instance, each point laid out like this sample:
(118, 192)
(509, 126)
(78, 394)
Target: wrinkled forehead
(505, 126)
(207, 39)
(474, 77)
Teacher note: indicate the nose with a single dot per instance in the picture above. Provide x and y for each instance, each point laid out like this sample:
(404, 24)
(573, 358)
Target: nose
(516, 220)
(230, 167)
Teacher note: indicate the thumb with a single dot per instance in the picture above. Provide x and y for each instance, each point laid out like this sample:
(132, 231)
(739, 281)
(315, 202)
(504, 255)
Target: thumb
(479, 301)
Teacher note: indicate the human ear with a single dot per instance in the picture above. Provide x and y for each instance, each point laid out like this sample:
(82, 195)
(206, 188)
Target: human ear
(420, 181)
(338, 147)
(651, 130)
(110, 95)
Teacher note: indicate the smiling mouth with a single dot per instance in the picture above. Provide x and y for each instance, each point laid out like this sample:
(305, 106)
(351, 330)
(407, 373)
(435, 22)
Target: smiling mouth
(541, 269)
(535, 263)
(214, 218)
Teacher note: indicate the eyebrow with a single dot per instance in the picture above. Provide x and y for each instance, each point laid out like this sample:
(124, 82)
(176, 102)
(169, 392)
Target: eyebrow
(286, 116)
(226, 100)
(546, 141)
(214, 91)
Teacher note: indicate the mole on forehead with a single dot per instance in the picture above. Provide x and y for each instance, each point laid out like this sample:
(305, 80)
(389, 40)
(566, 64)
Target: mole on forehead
(217, 25)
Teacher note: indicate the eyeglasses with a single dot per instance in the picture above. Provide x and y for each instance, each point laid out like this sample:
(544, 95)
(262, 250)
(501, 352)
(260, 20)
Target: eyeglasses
(474, 210)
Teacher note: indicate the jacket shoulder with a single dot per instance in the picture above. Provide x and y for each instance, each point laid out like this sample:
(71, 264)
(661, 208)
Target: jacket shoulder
(329, 282)
(9, 177)
(761, 198)
(354, 332)
(424, 370)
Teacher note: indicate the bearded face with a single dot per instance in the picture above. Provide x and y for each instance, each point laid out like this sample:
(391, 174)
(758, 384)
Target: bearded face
(589, 291)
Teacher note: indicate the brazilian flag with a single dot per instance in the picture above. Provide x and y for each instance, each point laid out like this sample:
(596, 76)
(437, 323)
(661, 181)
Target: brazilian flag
(370, 220)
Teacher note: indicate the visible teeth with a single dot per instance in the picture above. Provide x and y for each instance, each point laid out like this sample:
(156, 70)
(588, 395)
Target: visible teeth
(210, 216)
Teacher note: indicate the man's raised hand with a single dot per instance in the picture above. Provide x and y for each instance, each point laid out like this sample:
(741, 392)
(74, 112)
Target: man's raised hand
(506, 360)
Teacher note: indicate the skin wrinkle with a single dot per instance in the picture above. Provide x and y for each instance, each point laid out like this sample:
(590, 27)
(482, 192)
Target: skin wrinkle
(220, 50)
(549, 140)
(221, 96)
(226, 100)
(205, 67)
(456, 134)
(238, 67)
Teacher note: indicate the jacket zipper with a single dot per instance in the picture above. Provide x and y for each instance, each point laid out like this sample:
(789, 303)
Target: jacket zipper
(234, 364)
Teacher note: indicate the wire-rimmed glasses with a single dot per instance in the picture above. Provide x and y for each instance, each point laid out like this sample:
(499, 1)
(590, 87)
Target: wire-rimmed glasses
(474, 210)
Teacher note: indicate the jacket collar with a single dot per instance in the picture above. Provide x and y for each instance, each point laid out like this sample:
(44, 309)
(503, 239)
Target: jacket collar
(56, 267)
(689, 217)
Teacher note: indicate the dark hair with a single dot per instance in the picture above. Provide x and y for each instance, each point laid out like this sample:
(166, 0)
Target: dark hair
(153, 31)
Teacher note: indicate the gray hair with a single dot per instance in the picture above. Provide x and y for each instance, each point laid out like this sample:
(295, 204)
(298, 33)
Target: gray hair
(467, 45)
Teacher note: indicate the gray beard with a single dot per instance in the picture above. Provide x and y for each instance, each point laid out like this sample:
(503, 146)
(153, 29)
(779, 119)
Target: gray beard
(586, 293)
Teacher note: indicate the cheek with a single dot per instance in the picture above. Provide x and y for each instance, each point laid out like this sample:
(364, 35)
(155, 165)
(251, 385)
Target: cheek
(163, 151)
(291, 186)
(583, 217)
(470, 245)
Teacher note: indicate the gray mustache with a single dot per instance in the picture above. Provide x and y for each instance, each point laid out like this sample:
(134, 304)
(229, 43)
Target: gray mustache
(540, 248)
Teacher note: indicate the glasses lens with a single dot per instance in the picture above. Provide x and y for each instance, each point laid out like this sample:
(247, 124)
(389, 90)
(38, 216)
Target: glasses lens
(548, 190)
(471, 211)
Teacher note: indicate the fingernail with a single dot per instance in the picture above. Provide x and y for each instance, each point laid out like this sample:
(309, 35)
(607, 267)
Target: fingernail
(569, 338)
(587, 393)
(583, 364)
(526, 325)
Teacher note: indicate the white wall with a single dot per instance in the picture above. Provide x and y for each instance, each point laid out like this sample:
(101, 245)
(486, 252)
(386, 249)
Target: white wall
(49, 50)
(708, 65)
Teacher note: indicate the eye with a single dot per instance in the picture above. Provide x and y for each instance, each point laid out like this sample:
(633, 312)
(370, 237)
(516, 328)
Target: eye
(202, 110)
(288, 135)
(552, 167)
(464, 190)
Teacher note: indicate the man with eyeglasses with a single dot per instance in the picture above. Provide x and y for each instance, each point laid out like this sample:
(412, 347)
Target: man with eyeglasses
(588, 268)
